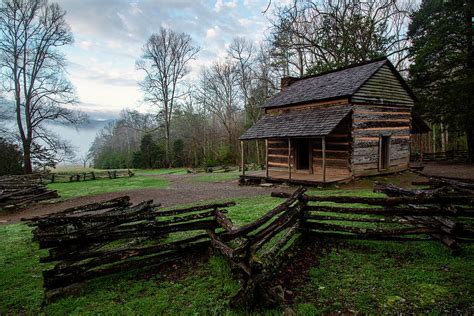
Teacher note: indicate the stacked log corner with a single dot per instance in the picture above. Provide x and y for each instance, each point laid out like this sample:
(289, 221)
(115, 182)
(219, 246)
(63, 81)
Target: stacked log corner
(258, 250)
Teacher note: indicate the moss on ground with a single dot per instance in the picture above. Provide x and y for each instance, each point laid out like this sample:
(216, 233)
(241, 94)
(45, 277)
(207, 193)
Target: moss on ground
(361, 276)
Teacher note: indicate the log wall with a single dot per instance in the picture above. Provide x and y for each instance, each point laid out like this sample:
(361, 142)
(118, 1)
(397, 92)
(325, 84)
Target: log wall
(384, 88)
(370, 122)
(278, 153)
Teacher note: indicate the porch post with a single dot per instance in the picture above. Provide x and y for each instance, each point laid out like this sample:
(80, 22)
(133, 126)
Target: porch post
(324, 158)
(242, 157)
(266, 157)
(289, 158)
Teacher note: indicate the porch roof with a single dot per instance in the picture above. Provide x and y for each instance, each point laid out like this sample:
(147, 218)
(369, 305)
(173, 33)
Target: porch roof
(308, 123)
(418, 126)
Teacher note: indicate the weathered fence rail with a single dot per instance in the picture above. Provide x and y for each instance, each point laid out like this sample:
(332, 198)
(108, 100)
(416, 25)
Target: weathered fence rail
(454, 154)
(405, 215)
(110, 237)
(19, 191)
(104, 238)
(54, 177)
(256, 249)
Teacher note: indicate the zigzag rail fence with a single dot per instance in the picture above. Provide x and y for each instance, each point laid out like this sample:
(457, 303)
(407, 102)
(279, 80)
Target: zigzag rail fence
(111, 237)
(20, 191)
(55, 177)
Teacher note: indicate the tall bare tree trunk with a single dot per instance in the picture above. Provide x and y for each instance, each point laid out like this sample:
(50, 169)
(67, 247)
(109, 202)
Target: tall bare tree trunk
(167, 146)
(470, 68)
(470, 144)
(443, 140)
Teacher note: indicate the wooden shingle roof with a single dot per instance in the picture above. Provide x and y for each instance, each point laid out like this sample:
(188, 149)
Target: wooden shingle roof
(335, 84)
(308, 123)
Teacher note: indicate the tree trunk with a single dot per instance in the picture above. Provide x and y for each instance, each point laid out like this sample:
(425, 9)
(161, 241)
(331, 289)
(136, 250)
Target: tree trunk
(470, 143)
(27, 159)
(470, 66)
(443, 139)
(167, 146)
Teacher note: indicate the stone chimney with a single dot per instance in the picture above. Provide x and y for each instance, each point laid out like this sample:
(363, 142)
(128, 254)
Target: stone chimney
(285, 82)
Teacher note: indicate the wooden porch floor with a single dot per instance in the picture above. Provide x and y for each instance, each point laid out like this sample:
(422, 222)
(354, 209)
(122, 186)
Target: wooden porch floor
(297, 177)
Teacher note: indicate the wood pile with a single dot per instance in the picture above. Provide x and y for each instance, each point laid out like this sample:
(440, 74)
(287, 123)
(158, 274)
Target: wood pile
(19, 191)
(113, 236)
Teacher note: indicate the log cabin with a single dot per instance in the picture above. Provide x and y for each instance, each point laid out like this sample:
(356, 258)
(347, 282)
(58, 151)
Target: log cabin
(335, 126)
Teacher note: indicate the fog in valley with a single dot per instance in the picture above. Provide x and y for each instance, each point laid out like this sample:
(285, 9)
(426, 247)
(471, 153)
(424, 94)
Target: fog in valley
(80, 137)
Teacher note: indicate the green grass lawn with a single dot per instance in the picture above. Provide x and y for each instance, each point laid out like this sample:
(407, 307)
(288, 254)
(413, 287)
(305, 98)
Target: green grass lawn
(78, 169)
(68, 190)
(216, 176)
(372, 277)
(361, 276)
(160, 171)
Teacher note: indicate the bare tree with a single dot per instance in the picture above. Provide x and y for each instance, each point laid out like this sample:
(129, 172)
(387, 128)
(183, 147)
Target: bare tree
(320, 35)
(165, 60)
(220, 95)
(84, 159)
(242, 51)
(33, 73)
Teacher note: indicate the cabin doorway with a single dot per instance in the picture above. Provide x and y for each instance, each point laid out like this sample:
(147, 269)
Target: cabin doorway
(302, 154)
(384, 153)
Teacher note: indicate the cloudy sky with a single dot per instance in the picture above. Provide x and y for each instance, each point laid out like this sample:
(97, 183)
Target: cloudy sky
(109, 35)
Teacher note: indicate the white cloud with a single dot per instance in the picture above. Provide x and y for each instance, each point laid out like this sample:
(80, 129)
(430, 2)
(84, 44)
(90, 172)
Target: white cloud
(86, 45)
(111, 34)
(220, 5)
(245, 21)
(212, 32)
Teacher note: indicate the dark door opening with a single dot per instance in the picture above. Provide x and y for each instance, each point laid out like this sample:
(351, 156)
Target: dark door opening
(384, 152)
(302, 154)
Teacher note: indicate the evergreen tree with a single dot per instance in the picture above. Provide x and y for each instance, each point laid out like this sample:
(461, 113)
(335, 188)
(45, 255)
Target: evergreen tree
(442, 72)
(150, 155)
(10, 158)
(178, 152)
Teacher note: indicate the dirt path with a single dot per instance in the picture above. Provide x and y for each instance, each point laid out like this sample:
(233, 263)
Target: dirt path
(449, 169)
(182, 190)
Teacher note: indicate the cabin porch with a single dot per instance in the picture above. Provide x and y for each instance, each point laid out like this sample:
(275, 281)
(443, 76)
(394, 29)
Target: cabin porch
(297, 177)
(308, 161)
(310, 146)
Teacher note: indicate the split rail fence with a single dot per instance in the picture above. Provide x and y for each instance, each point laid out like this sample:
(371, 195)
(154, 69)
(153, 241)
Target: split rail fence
(104, 238)
(84, 176)
(19, 191)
